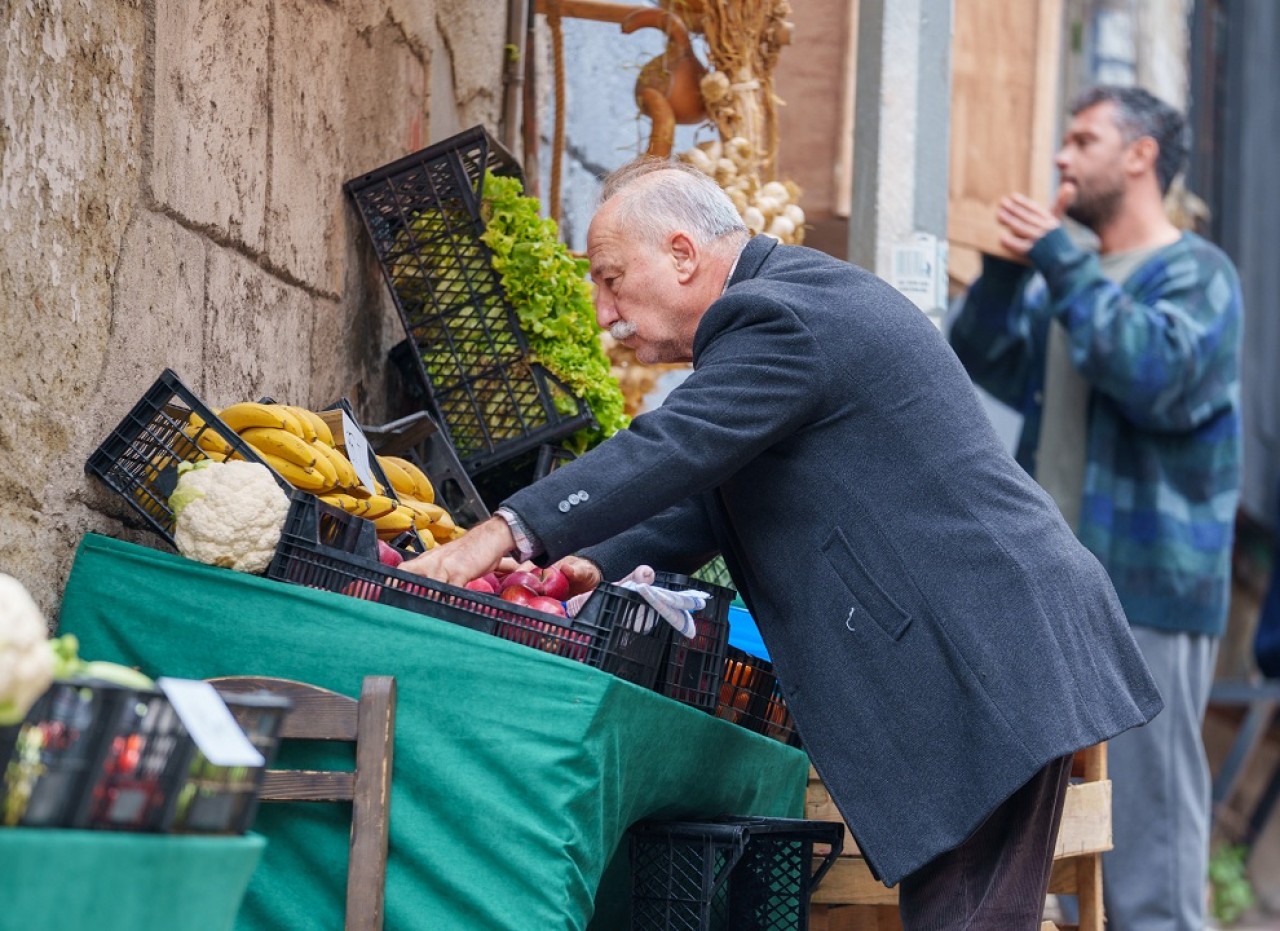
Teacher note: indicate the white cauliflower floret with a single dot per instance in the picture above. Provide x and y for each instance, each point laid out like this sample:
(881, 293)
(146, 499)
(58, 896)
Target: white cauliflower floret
(228, 514)
(26, 662)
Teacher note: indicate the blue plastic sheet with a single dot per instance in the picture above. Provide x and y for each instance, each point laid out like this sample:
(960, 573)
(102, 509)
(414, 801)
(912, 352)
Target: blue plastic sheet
(744, 634)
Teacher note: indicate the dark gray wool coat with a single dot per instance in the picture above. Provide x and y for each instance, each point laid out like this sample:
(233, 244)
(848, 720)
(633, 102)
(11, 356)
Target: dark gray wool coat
(939, 633)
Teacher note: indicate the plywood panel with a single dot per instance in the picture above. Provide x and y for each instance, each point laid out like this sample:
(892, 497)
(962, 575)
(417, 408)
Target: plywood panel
(813, 78)
(1005, 63)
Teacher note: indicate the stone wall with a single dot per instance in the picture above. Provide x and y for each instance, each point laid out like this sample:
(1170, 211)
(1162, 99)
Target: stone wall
(171, 196)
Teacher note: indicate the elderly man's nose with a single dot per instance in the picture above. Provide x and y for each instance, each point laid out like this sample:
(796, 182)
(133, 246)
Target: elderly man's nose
(606, 310)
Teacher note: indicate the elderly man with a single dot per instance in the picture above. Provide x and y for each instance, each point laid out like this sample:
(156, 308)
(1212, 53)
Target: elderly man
(943, 641)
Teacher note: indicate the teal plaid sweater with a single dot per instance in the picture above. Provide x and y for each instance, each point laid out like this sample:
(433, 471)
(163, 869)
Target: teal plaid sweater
(1161, 354)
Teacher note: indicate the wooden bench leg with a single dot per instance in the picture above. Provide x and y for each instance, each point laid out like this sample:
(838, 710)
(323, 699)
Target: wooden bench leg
(1089, 892)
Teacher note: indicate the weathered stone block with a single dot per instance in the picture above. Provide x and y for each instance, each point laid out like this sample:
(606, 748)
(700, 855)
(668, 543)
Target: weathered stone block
(258, 333)
(210, 118)
(304, 227)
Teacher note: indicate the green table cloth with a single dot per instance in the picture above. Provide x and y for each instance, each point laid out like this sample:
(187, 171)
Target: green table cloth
(516, 772)
(112, 881)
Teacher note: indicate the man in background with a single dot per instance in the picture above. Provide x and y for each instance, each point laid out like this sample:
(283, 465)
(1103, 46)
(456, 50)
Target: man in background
(1125, 367)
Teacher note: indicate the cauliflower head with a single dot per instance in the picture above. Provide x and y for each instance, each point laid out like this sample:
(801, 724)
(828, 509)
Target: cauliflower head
(228, 514)
(26, 662)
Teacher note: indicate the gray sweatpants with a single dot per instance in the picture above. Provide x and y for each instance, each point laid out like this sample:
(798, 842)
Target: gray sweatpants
(1154, 879)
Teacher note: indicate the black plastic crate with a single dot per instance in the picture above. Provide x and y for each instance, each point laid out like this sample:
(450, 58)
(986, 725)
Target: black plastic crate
(410, 541)
(139, 459)
(55, 749)
(327, 548)
(750, 696)
(213, 799)
(694, 668)
(144, 750)
(728, 874)
(499, 482)
(465, 349)
(416, 436)
(715, 572)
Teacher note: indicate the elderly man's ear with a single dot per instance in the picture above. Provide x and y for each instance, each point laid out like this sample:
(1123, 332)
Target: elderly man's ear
(684, 255)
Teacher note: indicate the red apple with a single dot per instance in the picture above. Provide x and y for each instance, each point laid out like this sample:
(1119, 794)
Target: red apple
(388, 555)
(529, 580)
(481, 585)
(494, 582)
(359, 588)
(547, 605)
(519, 594)
(555, 584)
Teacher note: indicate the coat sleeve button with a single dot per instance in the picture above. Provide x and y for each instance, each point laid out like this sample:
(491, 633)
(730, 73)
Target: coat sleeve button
(564, 507)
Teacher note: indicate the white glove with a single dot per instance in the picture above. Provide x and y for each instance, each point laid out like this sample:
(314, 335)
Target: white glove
(673, 607)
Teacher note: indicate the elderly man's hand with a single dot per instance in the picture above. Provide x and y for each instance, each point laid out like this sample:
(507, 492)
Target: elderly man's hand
(1026, 222)
(469, 557)
(583, 574)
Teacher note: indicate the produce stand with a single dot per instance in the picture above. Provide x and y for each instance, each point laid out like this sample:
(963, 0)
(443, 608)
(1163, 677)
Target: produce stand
(116, 881)
(517, 772)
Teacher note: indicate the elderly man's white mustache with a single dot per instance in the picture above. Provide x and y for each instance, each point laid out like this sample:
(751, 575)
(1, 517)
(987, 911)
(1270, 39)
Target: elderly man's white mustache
(622, 330)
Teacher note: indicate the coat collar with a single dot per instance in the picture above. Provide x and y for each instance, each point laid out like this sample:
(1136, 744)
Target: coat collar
(757, 249)
(750, 259)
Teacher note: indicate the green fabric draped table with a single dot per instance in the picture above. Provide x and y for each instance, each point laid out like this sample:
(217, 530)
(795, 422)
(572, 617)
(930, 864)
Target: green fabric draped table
(113, 881)
(517, 773)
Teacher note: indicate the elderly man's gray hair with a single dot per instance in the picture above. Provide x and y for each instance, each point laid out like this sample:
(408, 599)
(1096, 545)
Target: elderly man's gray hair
(657, 195)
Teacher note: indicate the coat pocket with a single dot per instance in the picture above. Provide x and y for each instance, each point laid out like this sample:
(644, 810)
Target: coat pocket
(860, 584)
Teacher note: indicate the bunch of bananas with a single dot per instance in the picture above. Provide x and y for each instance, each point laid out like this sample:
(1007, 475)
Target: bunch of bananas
(300, 446)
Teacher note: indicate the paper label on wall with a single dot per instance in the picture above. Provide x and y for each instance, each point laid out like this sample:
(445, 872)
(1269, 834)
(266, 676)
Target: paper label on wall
(358, 452)
(209, 722)
(918, 269)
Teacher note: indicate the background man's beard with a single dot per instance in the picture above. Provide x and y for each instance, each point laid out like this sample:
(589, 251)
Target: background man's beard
(622, 330)
(1096, 210)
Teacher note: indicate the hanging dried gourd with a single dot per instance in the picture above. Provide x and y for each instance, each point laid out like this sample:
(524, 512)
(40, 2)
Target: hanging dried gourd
(744, 38)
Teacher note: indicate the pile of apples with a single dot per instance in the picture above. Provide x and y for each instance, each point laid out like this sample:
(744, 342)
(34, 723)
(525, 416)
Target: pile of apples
(542, 590)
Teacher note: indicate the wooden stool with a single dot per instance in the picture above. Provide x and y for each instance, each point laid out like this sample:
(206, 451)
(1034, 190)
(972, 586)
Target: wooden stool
(851, 899)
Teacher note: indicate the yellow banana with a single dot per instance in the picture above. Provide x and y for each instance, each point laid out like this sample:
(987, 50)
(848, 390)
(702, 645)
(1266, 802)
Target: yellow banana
(348, 503)
(439, 533)
(361, 491)
(325, 466)
(299, 477)
(323, 433)
(292, 422)
(308, 433)
(418, 508)
(443, 519)
(395, 522)
(347, 477)
(400, 480)
(427, 511)
(205, 437)
(378, 506)
(422, 487)
(246, 414)
(282, 443)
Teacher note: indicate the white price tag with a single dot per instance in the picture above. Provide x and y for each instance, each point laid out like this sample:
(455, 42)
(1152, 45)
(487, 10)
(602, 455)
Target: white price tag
(918, 270)
(358, 453)
(209, 722)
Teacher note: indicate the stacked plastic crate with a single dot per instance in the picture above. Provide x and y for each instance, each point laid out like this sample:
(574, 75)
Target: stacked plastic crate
(465, 359)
